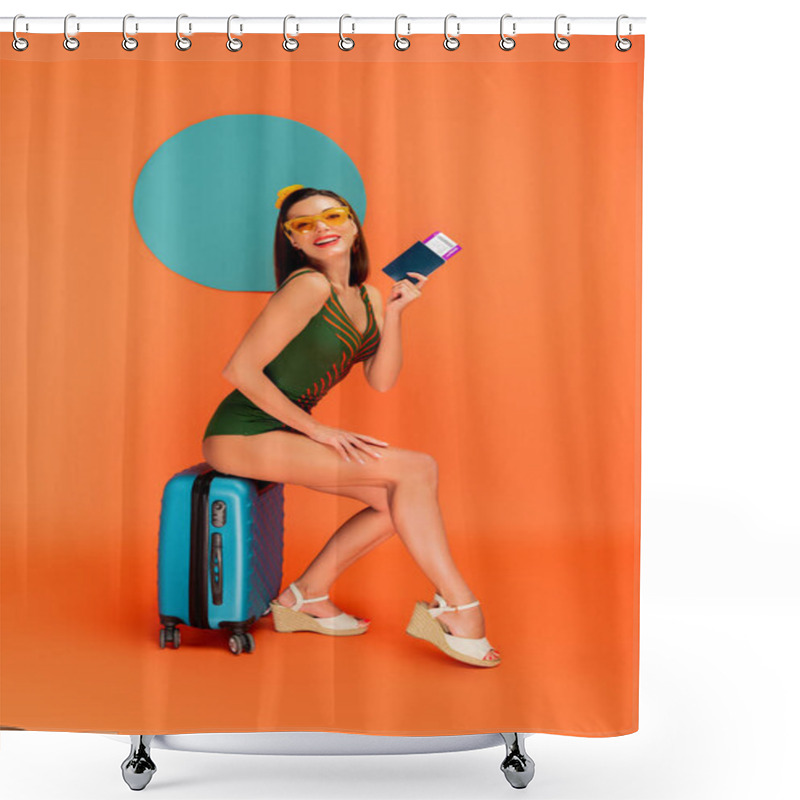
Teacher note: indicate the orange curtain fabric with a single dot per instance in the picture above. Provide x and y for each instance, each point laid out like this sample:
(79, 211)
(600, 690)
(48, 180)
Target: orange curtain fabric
(521, 376)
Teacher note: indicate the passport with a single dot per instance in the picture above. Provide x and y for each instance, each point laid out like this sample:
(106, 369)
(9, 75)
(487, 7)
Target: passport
(423, 257)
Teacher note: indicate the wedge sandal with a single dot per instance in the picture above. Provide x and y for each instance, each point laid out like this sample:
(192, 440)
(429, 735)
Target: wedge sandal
(424, 625)
(291, 619)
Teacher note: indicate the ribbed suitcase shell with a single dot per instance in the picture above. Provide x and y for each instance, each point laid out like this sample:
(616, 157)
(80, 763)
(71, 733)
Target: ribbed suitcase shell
(220, 551)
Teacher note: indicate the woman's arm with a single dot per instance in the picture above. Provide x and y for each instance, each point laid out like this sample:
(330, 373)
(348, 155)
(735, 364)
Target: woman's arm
(286, 314)
(382, 369)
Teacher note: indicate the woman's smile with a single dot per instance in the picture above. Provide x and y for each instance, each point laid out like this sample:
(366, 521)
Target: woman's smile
(324, 241)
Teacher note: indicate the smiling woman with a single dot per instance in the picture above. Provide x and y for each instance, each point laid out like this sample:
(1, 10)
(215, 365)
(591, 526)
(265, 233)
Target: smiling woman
(309, 340)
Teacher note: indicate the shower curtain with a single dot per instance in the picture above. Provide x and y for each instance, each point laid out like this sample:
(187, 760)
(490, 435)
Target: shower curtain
(140, 194)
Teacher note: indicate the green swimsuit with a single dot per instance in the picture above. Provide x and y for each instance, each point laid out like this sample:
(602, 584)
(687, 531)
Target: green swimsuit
(305, 370)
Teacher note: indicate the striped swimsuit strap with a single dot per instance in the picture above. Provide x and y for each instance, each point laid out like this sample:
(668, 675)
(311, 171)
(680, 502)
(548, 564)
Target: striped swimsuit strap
(347, 318)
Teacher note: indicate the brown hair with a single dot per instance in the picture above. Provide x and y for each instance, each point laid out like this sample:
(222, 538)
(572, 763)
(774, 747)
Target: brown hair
(289, 258)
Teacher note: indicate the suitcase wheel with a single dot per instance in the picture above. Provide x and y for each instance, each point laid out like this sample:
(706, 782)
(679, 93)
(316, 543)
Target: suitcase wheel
(169, 634)
(239, 642)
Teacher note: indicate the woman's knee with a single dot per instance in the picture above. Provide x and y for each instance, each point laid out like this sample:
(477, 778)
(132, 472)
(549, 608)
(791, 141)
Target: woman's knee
(417, 466)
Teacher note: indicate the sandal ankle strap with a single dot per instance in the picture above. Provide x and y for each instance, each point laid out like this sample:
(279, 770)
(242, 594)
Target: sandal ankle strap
(442, 606)
(300, 599)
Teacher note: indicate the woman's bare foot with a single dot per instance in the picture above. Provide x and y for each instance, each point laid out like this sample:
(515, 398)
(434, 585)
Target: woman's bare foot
(319, 608)
(468, 622)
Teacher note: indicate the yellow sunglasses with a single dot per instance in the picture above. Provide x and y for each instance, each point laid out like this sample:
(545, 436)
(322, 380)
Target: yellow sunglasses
(330, 216)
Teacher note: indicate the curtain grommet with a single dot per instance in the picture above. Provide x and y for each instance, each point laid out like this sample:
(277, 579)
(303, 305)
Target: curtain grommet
(345, 42)
(182, 42)
(71, 42)
(507, 42)
(233, 44)
(623, 45)
(128, 42)
(400, 42)
(290, 44)
(18, 43)
(451, 42)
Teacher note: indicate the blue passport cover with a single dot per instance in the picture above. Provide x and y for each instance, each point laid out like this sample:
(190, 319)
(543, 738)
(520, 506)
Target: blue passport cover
(418, 258)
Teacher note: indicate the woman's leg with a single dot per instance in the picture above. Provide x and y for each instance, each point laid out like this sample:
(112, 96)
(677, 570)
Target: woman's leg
(353, 539)
(410, 479)
(415, 507)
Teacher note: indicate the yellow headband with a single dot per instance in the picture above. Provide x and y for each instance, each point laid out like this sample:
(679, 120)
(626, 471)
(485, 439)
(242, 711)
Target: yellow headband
(287, 190)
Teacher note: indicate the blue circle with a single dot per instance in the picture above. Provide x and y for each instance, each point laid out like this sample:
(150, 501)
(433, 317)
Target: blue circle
(204, 202)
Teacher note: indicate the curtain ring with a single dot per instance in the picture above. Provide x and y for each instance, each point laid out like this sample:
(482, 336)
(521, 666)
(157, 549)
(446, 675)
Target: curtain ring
(561, 43)
(128, 42)
(506, 42)
(70, 42)
(17, 43)
(289, 42)
(182, 43)
(345, 43)
(451, 42)
(400, 42)
(233, 44)
(623, 45)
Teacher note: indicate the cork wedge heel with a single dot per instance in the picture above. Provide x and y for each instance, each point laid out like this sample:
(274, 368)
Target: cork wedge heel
(424, 625)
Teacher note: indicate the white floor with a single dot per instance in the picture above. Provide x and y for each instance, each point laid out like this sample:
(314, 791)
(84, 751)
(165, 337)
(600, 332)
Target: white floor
(719, 702)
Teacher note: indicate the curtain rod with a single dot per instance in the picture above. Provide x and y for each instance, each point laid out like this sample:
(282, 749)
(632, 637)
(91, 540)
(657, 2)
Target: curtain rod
(407, 26)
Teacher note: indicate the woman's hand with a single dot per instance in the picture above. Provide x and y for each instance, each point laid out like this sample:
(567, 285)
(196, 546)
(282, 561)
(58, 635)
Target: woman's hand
(405, 292)
(346, 442)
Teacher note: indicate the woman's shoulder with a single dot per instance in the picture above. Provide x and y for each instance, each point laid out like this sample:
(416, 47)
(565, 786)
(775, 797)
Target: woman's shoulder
(373, 292)
(307, 277)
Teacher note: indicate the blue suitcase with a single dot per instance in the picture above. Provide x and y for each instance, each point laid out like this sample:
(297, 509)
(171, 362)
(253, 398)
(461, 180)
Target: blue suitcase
(220, 553)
